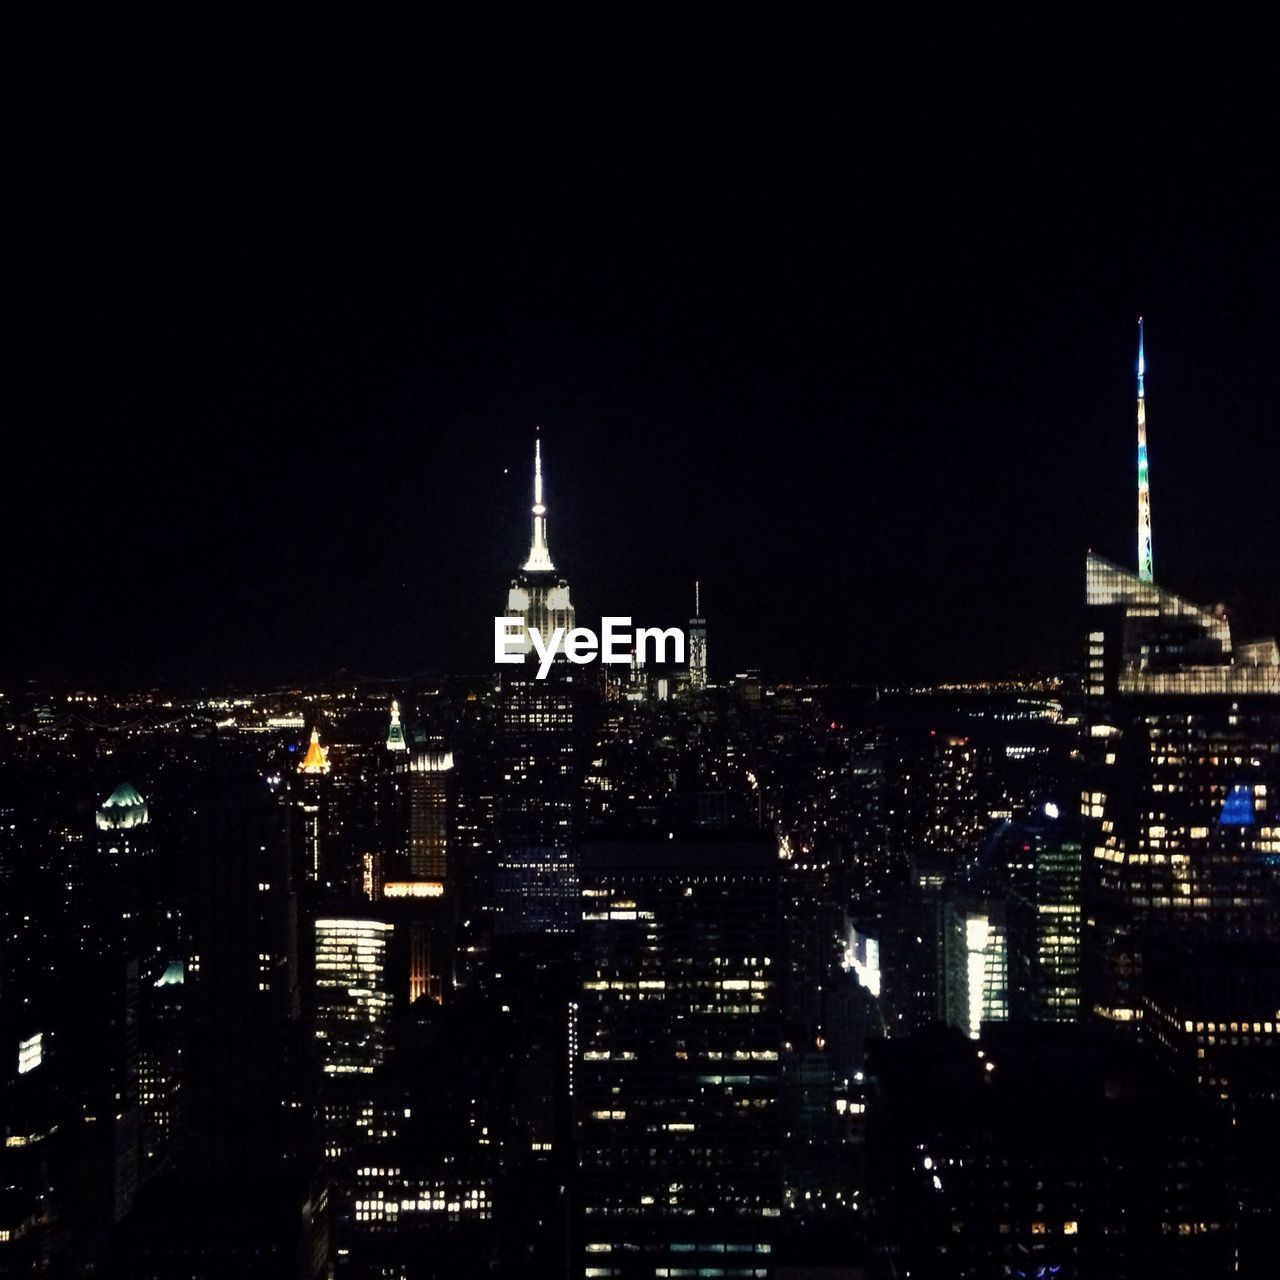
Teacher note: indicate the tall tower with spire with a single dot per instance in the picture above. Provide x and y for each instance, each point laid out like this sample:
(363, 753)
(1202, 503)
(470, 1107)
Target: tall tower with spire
(1145, 573)
(697, 643)
(536, 878)
(538, 595)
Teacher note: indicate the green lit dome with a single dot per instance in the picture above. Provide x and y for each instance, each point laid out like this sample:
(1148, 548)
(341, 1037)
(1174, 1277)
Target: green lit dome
(122, 809)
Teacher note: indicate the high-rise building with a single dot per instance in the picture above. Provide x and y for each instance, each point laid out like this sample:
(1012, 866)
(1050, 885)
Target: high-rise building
(678, 1039)
(312, 797)
(317, 758)
(243, 1196)
(395, 732)
(1213, 1014)
(1182, 734)
(352, 992)
(697, 643)
(427, 776)
(538, 595)
(242, 1000)
(1045, 918)
(1040, 1150)
(536, 878)
(28, 1122)
(976, 963)
(1183, 758)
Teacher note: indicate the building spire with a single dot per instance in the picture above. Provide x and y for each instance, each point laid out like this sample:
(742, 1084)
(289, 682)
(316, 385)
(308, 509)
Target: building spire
(539, 557)
(1145, 573)
(317, 758)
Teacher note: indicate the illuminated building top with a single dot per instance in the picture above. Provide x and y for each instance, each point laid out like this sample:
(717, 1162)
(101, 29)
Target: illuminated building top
(539, 560)
(395, 734)
(1169, 645)
(317, 758)
(122, 809)
(538, 596)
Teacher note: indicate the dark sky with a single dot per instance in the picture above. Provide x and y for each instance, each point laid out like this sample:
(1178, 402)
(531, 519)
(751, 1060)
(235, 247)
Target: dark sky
(835, 313)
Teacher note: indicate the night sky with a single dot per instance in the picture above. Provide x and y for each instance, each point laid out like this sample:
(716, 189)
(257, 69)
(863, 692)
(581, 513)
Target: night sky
(835, 314)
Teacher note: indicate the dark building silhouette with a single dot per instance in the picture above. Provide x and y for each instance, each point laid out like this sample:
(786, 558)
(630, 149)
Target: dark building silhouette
(1040, 1150)
(678, 1056)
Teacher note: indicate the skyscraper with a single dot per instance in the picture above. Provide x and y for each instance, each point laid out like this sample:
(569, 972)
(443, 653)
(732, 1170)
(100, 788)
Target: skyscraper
(1044, 918)
(678, 1064)
(312, 799)
(395, 731)
(697, 643)
(1183, 765)
(427, 774)
(352, 993)
(538, 595)
(537, 874)
(1183, 759)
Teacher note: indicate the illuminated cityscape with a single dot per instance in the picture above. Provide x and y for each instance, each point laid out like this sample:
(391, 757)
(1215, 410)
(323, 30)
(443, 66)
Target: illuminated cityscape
(916, 916)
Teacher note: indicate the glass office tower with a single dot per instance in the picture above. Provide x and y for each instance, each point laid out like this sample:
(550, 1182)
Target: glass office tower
(1182, 745)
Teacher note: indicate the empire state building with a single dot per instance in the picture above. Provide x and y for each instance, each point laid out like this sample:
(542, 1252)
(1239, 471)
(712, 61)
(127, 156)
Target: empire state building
(537, 872)
(538, 595)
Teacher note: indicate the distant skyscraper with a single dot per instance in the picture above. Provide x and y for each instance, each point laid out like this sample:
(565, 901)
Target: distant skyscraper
(427, 775)
(538, 595)
(536, 877)
(122, 810)
(1044, 919)
(976, 963)
(395, 733)
(1145, 572)
(317, 758)
(697, 643)
(312, 799)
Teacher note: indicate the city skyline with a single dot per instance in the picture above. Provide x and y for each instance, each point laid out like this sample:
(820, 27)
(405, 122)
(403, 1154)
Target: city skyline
(819, 668)
(828, 344)
(643, 645)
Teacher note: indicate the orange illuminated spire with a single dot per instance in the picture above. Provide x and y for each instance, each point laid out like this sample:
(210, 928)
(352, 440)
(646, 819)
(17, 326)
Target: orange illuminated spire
(317, 759)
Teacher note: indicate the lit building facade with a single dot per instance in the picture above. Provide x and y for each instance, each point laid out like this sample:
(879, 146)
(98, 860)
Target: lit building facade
(352, 993)
(976, 961)
(427, 775)
(536, 877)
(697, 643)
(1182, 739)
(395, 731)
(1045, 920)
